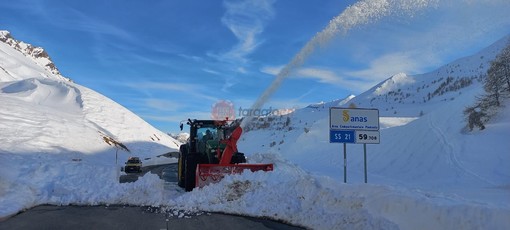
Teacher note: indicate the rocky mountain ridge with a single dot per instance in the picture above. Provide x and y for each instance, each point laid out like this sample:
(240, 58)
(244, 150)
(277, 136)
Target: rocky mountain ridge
(37, 54)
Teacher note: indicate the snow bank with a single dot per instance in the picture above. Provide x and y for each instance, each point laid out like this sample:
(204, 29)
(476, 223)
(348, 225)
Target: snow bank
(44, 92)
(294, 196)
(34, 179)
(288, 194)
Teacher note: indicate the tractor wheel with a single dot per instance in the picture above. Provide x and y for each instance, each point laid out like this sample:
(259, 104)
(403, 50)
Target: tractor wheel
(189, 172)
(181, 165)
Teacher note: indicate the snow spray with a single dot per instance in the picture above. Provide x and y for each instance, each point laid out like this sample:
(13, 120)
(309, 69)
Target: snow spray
(362, 12)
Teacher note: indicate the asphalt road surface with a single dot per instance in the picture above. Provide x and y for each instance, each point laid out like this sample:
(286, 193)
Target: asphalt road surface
(128, 217)
(122, 217)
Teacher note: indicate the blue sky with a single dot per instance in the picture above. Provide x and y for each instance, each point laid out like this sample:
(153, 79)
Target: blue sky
(169, 60)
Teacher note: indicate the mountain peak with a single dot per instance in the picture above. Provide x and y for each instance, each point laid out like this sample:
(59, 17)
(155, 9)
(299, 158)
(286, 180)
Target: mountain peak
(37, 54)
(392, 83)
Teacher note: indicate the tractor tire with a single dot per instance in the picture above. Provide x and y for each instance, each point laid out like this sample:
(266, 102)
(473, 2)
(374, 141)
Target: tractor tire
(181, 165)
(189, 172)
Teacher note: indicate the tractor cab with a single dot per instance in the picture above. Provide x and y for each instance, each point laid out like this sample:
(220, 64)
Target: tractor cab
(207, 139)
(211, 147)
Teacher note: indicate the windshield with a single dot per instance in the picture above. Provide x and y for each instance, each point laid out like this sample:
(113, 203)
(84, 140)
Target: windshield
(206, 134)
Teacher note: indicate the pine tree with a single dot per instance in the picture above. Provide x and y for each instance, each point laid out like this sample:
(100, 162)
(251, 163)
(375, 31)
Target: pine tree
(497, 88)
(497, 83)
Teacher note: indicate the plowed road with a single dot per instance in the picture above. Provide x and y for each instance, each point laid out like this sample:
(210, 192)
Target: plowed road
(125, 217)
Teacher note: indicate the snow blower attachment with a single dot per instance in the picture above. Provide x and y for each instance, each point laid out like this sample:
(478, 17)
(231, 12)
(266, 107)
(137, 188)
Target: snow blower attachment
(211, 153)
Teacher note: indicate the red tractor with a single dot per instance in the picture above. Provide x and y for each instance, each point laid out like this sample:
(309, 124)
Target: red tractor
(211, 153)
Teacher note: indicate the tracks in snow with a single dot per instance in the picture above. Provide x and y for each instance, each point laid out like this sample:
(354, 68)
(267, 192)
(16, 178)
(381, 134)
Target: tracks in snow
(453, 152)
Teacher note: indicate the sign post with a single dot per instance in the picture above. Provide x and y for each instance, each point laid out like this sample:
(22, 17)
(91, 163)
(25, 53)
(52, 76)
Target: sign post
(365, 160)
(355, 126)
(345, 162)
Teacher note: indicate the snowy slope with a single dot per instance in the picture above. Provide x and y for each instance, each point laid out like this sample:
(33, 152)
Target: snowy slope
(57, 136)
(421, 121)
(46, 117)
(427, 173)
(424, 148)
(45, 112)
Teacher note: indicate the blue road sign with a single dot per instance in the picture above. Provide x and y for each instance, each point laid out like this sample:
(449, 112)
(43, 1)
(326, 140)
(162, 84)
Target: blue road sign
(342, 136)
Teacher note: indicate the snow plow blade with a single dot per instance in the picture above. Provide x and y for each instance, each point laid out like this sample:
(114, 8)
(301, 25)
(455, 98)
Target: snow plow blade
(213, 173)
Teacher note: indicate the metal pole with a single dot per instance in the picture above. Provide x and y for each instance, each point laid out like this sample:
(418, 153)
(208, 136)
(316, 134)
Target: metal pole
(365, 158)
(117, 164)
(345, 163)
(167, 219)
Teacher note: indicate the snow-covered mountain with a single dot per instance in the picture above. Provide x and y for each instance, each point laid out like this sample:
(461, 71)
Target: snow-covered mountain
(182, 137)
(44, 112)
(57, 147)
(35, 54)
(424, 147)
(403, 95)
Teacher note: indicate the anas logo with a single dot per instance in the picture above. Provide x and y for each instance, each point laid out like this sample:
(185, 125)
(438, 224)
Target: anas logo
(345, 115)
(347, 118)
